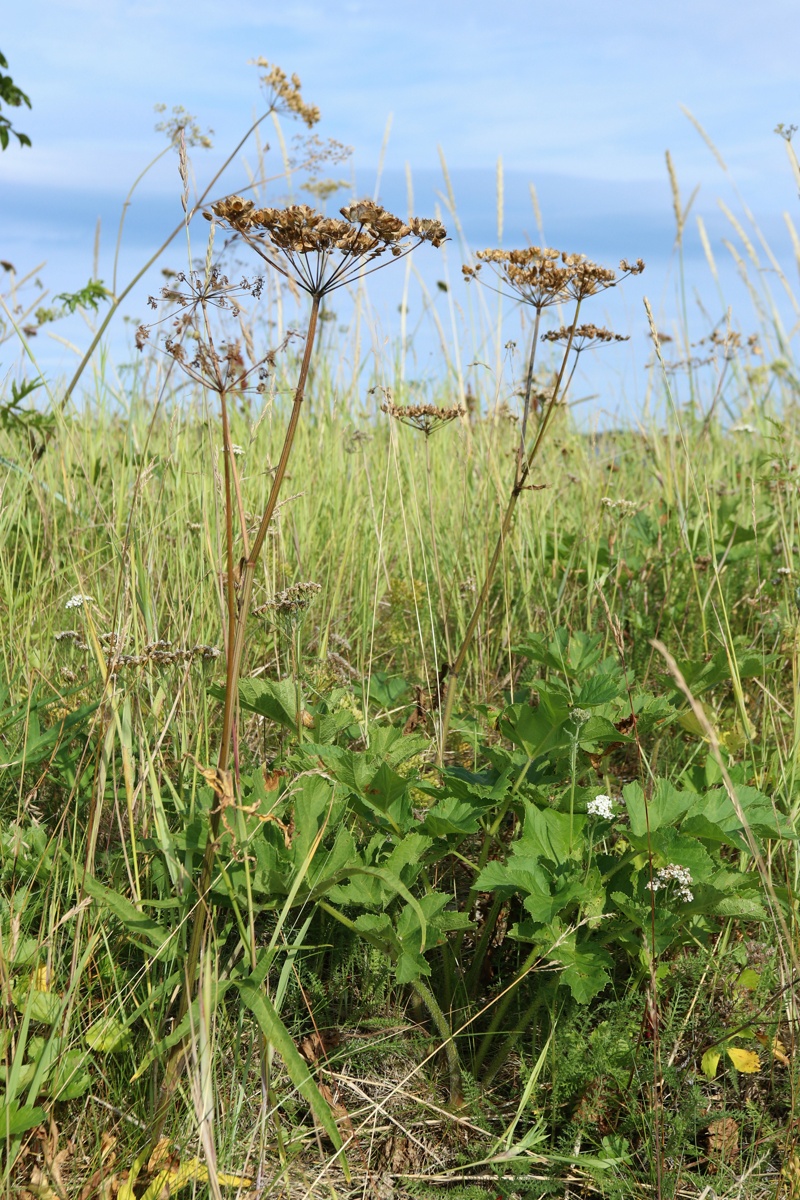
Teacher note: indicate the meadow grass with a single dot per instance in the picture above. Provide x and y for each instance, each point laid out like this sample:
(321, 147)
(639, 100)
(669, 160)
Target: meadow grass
(525, 929)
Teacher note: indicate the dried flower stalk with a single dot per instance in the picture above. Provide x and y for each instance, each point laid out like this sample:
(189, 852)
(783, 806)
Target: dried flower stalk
(538, 277)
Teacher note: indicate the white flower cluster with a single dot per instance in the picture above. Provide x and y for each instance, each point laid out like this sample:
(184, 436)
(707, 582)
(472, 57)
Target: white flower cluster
(673, 874)
(601, 806)
(625, 508)
(78, 601)
(743, 427)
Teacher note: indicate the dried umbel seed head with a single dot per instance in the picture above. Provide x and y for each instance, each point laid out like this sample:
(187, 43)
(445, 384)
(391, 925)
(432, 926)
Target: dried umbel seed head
(292, 602)
(542, 276)
(428, 230)
(324, 253)
(427, 418)
(285, 93)
(584, 336)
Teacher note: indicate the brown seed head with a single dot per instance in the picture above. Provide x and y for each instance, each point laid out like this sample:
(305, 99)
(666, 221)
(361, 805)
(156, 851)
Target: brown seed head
(427, 418)
(285, 93)
(542, 276)
(292, 602)
(323, 253)
(583, 336)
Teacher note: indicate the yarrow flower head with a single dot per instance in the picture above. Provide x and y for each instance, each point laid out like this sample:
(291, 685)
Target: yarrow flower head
(680, 876)
(78, 601)
(579, 715)
(601, 806)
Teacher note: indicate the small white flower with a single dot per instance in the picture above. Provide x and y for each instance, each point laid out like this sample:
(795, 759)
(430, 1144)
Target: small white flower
(78, 601)
(236, 451)
(626, 508)
(743, 427)
(674, 873)
(601, 806)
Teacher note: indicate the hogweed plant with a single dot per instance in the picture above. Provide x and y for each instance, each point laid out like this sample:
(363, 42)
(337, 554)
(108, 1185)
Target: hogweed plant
(540, 278)
(319, 255)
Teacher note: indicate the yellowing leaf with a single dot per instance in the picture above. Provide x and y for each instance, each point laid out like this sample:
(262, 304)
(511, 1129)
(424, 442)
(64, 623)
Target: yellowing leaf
(749, 979)
(710, 1062)
(40, 980)
(746, 1061)
(189, 1172)
(107, 1036)
(780, 1053)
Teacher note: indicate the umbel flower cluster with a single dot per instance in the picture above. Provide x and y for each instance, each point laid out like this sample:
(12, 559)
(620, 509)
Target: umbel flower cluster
(427, 418)
(680, 876)
(541, 276)
(292, 602)
(601, 806)
(584, 335)
(285, 93)
(324, 253)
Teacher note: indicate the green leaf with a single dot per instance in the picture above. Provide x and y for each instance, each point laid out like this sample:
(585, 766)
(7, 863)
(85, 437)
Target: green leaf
(278, 1035)
(599, 731)
(70, 1078)
(451, 816)
(137, 923)
(669, 846)
(748, 979)
(16, 1119)
(107, 1036)
(43, 1007)
(665, 807)
(600, 689)
(587, 968)
(549, 834)
(273, 698)
(538, 730)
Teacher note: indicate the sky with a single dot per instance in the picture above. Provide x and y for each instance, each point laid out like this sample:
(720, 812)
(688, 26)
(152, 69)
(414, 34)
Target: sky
(582, 99)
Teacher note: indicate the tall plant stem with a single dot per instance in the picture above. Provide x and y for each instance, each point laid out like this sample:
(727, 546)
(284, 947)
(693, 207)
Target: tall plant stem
(523, 437)
(435, 548)
(237, 622)
(523, 469)
(249, 565)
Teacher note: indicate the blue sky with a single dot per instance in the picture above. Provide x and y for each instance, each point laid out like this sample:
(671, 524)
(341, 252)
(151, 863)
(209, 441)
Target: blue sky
(580, 98)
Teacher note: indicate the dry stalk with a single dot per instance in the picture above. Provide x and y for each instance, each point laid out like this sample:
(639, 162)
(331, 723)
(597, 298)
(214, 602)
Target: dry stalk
(540, 278)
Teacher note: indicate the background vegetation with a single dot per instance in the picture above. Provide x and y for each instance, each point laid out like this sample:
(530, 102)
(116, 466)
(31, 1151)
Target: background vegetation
(549, 951)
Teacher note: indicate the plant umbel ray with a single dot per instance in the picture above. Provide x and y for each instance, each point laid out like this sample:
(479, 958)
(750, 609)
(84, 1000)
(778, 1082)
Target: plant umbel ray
(540, 278)
(320, 254)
